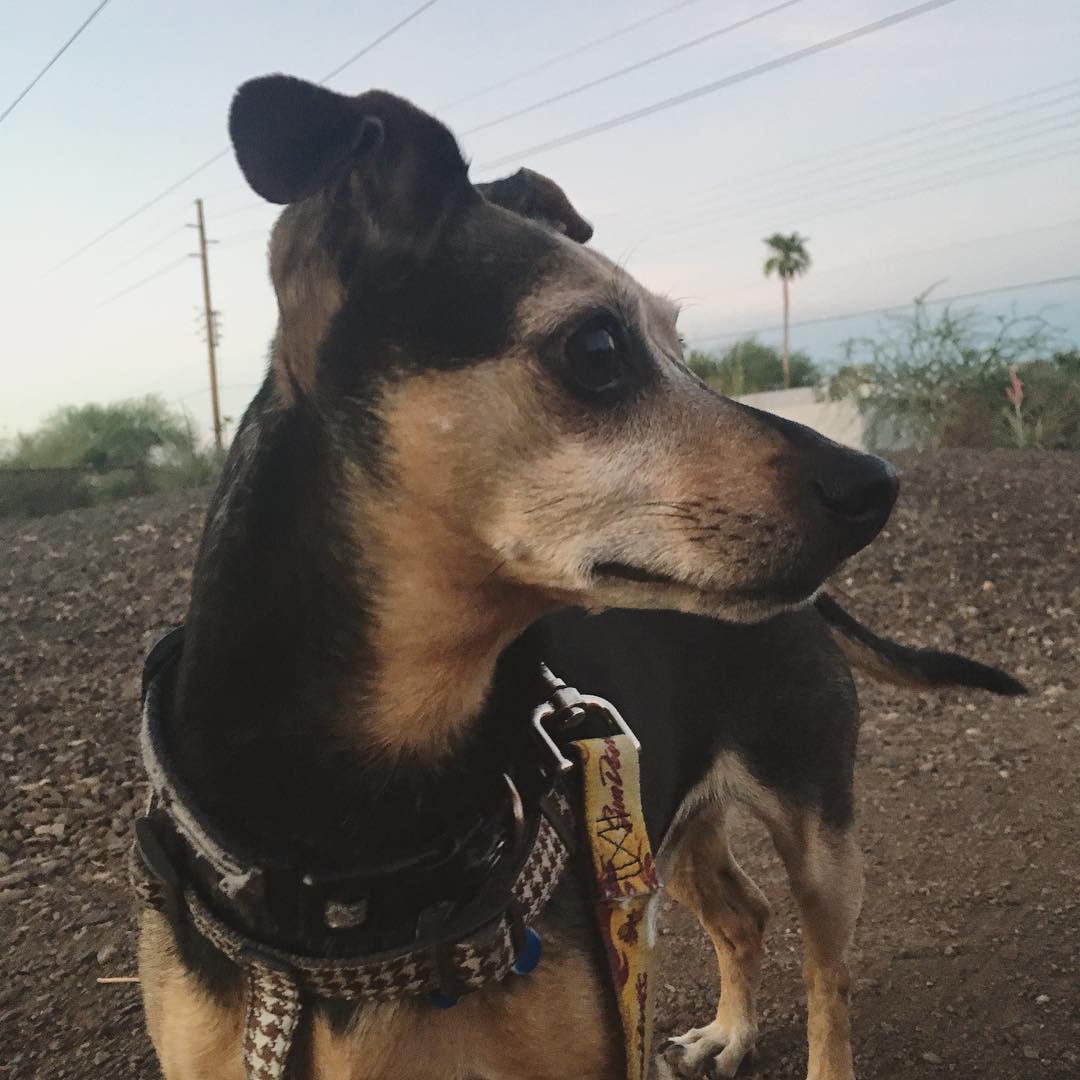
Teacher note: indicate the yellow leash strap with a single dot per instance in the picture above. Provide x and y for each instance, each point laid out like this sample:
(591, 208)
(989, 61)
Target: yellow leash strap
(625, 878)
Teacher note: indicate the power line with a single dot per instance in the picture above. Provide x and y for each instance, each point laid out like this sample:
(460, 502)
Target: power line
(145, 281)
(379, 40)
(245, 235)
(1056, 226)
(247, 208)
(859, 148)
(249, 388)
(551, 61)
(56, 56)
(977, 172)
(995, 167)
(224, 151)
(721, 84)
(826, 161)
(826, 186)
(959, 297)
(140, 210)
(637, 66)
(174, 231)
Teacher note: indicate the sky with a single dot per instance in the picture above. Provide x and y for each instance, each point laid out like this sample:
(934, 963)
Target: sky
(943, 150)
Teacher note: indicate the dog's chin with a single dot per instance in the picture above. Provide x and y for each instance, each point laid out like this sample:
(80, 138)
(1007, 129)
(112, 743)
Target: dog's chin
(620, 585)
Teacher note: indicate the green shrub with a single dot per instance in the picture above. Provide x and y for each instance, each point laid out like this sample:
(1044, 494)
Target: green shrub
(88, 454)
(947, 381)
(748, 367)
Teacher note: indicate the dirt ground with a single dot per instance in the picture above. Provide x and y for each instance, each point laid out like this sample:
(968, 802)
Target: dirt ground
(968, 950)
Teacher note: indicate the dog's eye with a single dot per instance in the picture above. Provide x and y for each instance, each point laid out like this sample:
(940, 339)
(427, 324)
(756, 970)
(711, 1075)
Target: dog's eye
(596, 357)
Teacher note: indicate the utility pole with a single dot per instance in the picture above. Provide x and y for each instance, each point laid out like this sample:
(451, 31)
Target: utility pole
(211, 332)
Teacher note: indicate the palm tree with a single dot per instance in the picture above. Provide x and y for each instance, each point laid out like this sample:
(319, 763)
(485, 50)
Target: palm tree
(789, 259)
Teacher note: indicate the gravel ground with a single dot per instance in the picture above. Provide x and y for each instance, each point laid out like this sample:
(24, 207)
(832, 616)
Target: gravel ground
(967, 952)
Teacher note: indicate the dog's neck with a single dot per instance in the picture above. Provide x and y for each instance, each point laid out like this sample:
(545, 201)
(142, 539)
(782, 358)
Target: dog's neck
(342, 684)
(440, 619)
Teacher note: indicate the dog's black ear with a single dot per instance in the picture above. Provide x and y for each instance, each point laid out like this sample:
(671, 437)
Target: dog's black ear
(290, 135)
(535, 196)
(293, 138)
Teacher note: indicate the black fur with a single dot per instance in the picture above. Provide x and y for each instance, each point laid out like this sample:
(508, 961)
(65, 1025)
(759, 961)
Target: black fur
(776, 695)
(290, 136)
(531, 195)
(293, 139)
(932, 667)
(453, 307)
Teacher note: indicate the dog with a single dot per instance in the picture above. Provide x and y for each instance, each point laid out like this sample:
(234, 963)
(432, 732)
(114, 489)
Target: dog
(478, 448)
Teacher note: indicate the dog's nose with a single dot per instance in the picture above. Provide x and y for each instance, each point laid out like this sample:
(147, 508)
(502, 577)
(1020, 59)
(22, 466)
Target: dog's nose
(859, 488)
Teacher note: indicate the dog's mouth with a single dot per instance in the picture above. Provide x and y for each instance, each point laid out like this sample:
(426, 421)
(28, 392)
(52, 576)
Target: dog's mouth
(626, 572)
(778, 594)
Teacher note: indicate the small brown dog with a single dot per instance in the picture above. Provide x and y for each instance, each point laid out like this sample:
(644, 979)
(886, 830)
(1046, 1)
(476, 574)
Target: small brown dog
(472, 429)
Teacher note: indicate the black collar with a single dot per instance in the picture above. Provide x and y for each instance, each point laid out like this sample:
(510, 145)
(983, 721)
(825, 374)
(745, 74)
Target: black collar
(355, 909)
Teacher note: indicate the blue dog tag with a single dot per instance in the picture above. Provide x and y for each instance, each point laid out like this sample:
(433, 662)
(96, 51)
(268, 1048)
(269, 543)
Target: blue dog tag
(529, 956)
(442, 1001)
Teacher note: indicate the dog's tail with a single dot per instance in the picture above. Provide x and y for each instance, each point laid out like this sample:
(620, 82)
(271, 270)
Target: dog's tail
(921, 669)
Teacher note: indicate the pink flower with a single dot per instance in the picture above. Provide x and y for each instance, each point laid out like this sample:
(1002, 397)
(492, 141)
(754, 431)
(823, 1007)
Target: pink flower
(1015, 391)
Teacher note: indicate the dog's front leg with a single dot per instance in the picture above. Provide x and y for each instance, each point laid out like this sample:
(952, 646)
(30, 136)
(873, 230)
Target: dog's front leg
(825, 870)
(733, 911)
(196, 1036)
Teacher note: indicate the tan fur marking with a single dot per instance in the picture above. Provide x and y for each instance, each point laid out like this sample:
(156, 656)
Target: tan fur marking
(734, 913)
(309, 294)
(825, 871)
(547, 1027)
(556, 1023)
(444, 611)
(195, 1037)
(877, 666)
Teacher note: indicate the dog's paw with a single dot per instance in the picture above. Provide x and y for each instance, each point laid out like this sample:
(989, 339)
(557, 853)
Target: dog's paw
(716, 1050)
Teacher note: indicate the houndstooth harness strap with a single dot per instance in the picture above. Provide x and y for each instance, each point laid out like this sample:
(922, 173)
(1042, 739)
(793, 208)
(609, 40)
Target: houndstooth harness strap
(479, 942)
(474, 946)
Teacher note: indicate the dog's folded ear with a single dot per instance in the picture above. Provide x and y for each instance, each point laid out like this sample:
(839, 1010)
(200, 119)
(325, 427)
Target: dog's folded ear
(293, 139)
(535, 196)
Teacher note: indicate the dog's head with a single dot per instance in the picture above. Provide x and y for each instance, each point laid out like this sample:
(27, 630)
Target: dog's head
(514, 397)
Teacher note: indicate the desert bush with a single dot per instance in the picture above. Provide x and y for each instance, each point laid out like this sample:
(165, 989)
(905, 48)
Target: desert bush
(88, 454)
(951, 380)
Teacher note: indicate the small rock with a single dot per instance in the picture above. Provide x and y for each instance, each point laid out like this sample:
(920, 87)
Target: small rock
(1029, 1052)
(106, 953)
(1043, 999)
(931, 1058)
(94, 917)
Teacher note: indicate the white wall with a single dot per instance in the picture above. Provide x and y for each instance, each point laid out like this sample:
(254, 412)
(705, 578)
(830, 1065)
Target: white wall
(838, 420)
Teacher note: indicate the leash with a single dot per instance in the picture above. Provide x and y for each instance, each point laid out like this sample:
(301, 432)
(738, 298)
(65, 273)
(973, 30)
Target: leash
(453, 953)
(623, 871)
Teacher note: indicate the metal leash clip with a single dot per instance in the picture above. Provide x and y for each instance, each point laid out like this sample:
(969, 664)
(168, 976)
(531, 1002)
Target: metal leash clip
(566, 708)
